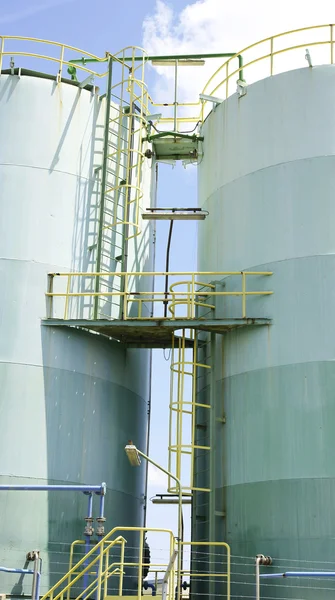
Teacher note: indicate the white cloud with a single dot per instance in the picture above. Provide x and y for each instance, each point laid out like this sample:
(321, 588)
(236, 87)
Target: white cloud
(209, 26)
(156, 479)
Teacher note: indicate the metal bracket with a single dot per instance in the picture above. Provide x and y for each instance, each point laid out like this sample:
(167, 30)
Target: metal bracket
(242, 88)
(308, 58)
(12, 65)
(86, 81)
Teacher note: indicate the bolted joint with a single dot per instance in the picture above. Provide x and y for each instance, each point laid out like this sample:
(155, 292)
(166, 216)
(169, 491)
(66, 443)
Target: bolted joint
(263, 560)
(148, 153)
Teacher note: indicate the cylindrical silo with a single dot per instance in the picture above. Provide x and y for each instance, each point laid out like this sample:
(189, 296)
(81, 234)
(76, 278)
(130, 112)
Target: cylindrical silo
(70, 400)
(267, 180)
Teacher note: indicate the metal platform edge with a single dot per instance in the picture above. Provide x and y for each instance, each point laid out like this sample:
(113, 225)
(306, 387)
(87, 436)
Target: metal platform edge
(152, 333)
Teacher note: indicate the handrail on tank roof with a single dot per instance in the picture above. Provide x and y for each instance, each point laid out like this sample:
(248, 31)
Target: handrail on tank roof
(223, 84)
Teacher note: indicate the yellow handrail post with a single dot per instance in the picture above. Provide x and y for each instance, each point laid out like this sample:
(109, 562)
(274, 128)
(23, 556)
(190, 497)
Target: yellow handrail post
(193, 297)
(140, 566)
(1, 52)
(50, 298)
(227, 78)
(244, 308)
(331, 44)
(100, 570)
(271, 56)
(68, 288)
(125, 297)
(106, 572)
(121, 569)
(61, 60)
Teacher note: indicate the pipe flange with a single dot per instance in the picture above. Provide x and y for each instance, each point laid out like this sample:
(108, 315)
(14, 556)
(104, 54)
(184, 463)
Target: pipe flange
(89, 519)
(101, 519)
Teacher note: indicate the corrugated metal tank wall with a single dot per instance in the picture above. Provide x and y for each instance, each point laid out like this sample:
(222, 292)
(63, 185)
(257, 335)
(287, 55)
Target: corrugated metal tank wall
(267, 180)
(69, 400)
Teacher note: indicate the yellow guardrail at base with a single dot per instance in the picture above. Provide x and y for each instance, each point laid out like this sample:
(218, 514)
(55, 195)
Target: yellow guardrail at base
(126, 296)
(95, 566)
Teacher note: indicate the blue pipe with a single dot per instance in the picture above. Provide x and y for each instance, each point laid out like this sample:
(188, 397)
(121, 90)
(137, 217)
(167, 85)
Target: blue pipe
(97, 489)
(147, 585)
(298, 574)
(38, 586)
(25, 572)
(88, 536)
(102, 506)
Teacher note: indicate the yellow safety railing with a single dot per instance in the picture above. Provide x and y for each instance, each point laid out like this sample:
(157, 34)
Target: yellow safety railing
(71, 295)
(270, 56)
(96, 565)
(54, 53)
(182, 415)
(211, 565)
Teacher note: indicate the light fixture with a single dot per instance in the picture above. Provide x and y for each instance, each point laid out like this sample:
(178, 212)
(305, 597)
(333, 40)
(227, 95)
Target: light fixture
(133, 455)
(170, 499)
(175, 214)
(181, 62)
(154, 117)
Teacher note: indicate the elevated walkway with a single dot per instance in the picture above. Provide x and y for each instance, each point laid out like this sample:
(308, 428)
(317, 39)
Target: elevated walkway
(132, 311)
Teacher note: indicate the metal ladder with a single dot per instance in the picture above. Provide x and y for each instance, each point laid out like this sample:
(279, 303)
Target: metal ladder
(121, 175)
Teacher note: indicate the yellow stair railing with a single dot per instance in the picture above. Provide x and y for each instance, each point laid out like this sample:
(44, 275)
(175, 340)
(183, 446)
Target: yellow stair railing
(90, 574)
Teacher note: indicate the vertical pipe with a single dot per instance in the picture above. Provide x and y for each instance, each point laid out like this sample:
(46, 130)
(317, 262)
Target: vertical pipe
(175, 96)
(167, 265)
(35, 586)
(153, 225)
(38, 585)
(258, 589)
(140, 566)
(88, 529)
(103, 186)
(102, 506)
(212, 457)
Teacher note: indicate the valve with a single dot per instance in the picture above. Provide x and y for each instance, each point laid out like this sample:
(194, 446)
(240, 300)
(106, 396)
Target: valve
(89, 530)
(100, 527)
(263, 560)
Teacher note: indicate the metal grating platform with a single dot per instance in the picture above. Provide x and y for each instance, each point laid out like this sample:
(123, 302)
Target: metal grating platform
(153, 333)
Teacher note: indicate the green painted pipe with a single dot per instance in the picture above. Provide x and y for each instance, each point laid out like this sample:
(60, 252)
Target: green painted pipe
(84, 60)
